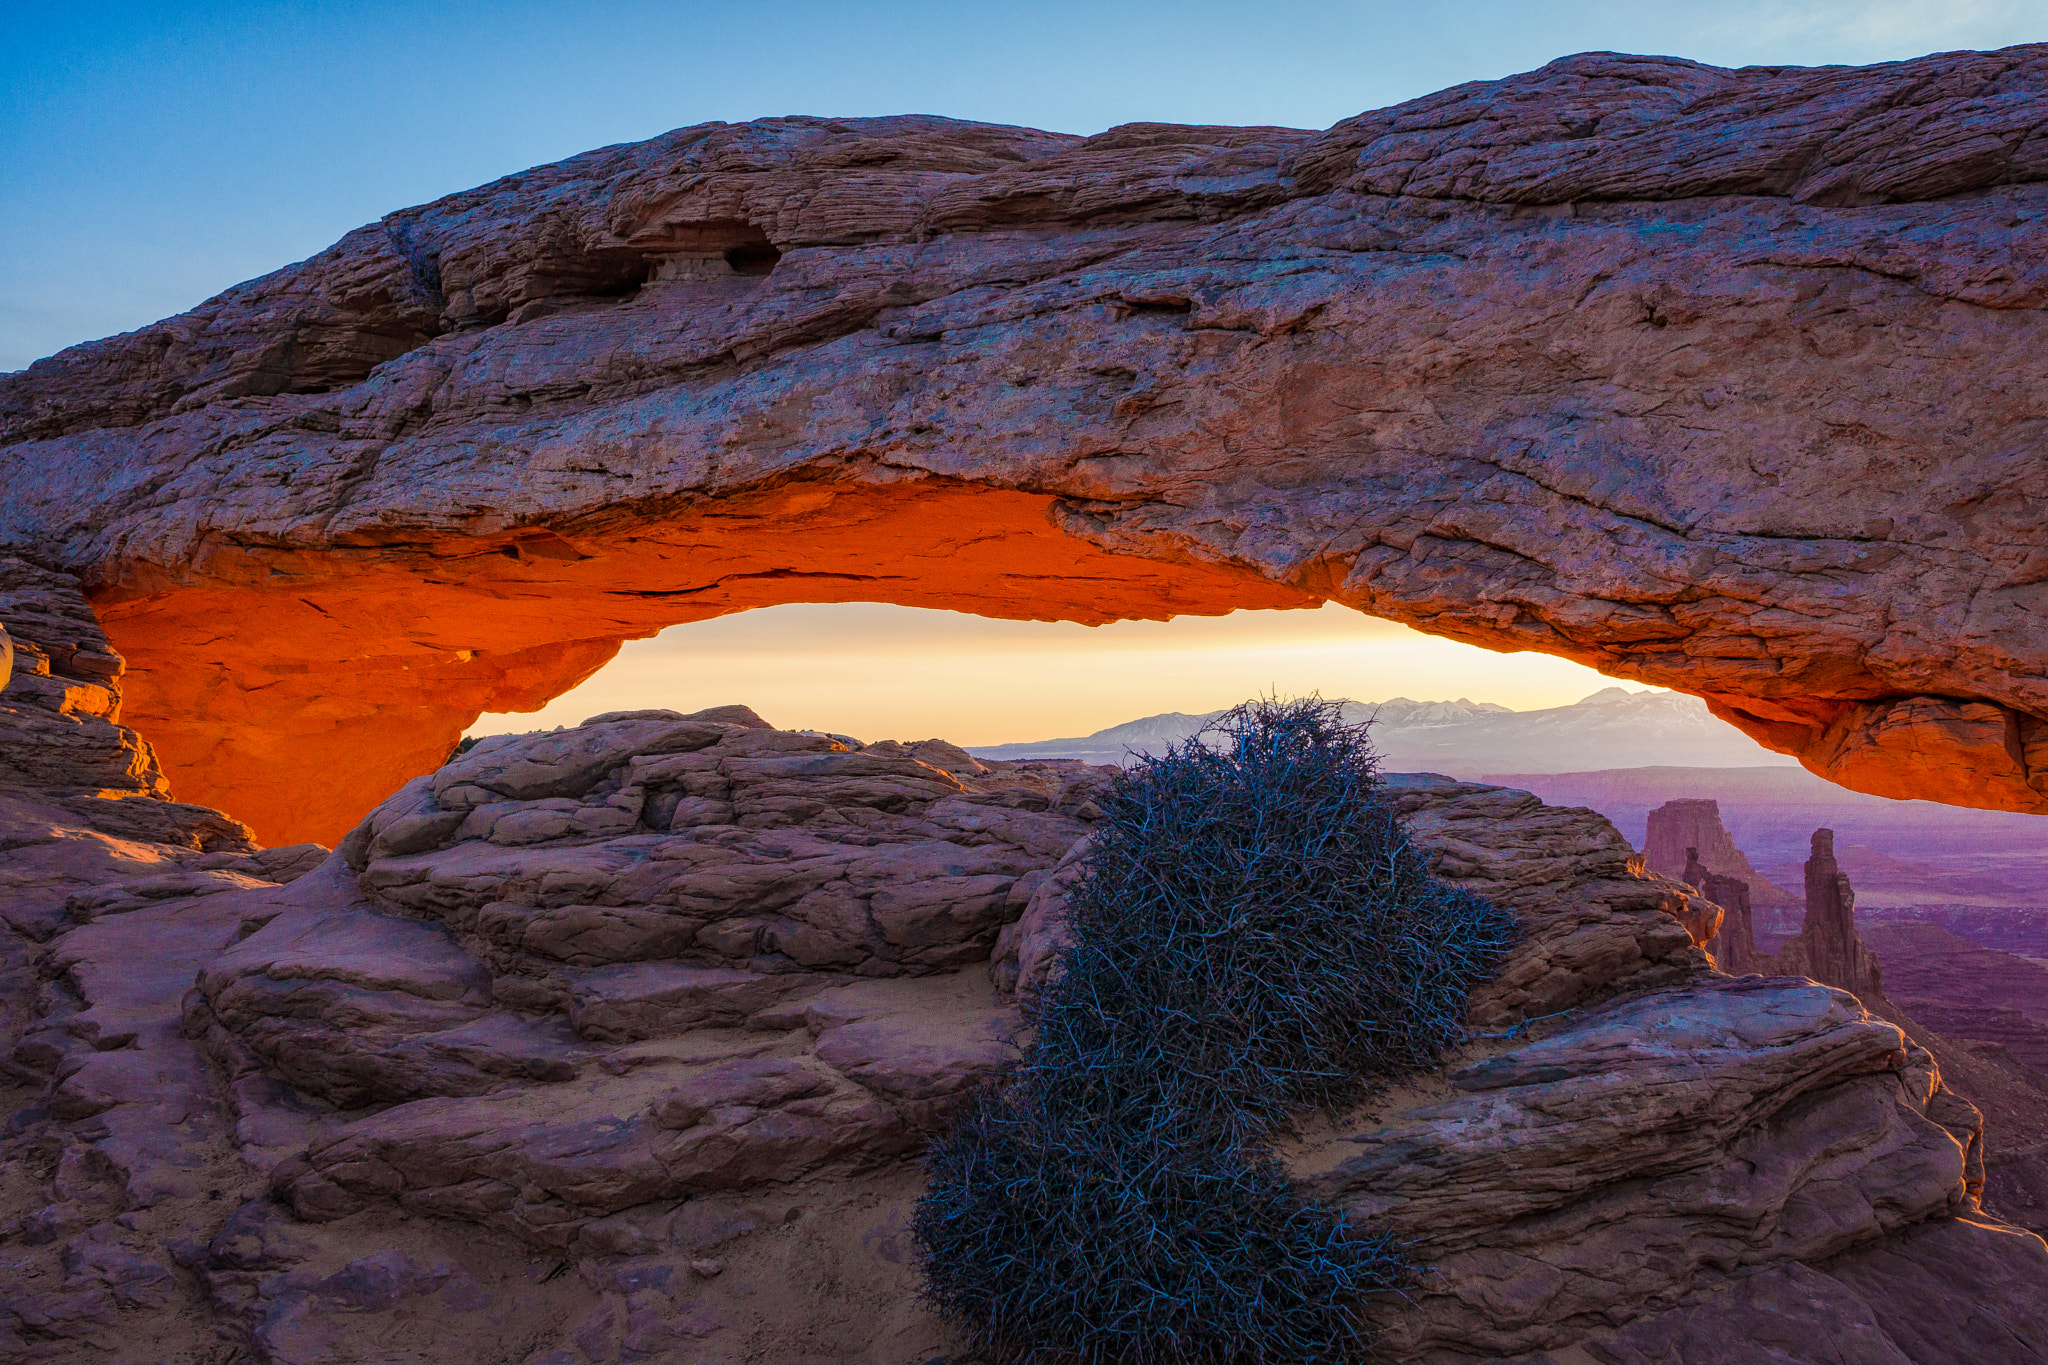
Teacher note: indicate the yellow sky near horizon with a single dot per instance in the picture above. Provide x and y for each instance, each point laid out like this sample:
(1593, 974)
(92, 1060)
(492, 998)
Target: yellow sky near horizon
(878, 671)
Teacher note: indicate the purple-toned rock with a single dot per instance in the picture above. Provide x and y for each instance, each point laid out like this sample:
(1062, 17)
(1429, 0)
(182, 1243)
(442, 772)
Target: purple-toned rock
(1691, 827)
(1828, 948)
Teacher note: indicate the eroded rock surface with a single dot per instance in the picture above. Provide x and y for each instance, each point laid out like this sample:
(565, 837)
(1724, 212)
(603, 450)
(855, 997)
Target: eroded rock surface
(1765, 1123)
(235, 1096)
(119, 1135)
(1631, 1132)
(1720, 380)
(1866, 1307)
(600, 972)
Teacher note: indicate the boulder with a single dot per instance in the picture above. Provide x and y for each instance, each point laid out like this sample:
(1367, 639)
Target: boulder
(718, 845)
(1775, 1132)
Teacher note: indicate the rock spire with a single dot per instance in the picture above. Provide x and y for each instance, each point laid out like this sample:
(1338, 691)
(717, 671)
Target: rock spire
(1828, 948)
(1734, 946)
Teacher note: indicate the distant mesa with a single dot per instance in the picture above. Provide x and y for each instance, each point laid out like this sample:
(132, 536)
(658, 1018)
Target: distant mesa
(1691, 825)
(2018, 931)
(1933, 854)
(1969, 992)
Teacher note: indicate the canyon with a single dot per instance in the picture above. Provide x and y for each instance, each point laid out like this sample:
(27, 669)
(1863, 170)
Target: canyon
(619, 1042)
(1975, 1008)
(1720, 380)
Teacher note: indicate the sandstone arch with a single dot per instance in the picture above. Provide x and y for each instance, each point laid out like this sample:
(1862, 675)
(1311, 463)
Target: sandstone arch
(1725, 381)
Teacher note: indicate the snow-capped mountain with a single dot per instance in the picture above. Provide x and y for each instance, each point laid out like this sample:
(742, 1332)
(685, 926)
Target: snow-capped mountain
(1613, 728)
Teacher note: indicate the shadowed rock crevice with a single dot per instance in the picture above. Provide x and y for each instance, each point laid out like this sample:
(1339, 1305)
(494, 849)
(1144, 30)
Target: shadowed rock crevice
(597, 1045)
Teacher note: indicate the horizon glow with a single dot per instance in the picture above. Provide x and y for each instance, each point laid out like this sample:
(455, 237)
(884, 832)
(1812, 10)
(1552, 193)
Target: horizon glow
(877, 671)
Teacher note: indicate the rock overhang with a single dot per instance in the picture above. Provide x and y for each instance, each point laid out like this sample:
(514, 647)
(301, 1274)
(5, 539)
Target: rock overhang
(1715, 380)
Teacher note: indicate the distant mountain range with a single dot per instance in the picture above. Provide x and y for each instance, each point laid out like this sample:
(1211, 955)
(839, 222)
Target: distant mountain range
(1623, 753)
(1613, 728)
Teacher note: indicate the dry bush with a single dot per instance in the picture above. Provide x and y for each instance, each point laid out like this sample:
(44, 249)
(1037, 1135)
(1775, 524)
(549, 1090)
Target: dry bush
(1255, 934)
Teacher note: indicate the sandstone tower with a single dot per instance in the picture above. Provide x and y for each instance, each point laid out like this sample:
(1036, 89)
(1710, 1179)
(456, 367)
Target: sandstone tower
(1827, 948)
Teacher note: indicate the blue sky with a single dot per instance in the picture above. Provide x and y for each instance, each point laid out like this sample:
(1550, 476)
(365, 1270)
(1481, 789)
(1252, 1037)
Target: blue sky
(151, 155)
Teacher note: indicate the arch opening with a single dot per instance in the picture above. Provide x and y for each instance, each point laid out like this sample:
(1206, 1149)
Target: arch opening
(297, 690)
(875, 670)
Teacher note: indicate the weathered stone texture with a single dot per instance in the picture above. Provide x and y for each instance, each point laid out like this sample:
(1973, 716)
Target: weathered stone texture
(1723, 380)
(1828, 947)
(1631, 1132)
(86, 816)
(642, 877)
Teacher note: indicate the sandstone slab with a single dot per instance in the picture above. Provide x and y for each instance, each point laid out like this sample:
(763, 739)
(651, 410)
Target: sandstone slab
(1869, 1307)
(663, 837)
(846, 1079)
(1799, 1138)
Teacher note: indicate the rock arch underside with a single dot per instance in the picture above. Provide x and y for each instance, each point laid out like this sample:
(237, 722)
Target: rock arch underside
(1727, 381)
(619, 1043)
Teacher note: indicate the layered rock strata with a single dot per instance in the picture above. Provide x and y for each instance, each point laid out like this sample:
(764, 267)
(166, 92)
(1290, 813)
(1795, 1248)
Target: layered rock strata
(1720, 380)
(1541, 1235)
(1992, 1007)
(744, 946)
(1733, 948)
(800, 1014)
(1865, 1305)
(86, 817)
(1633, 1137)
(118, 1133)
(1967, 1006)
